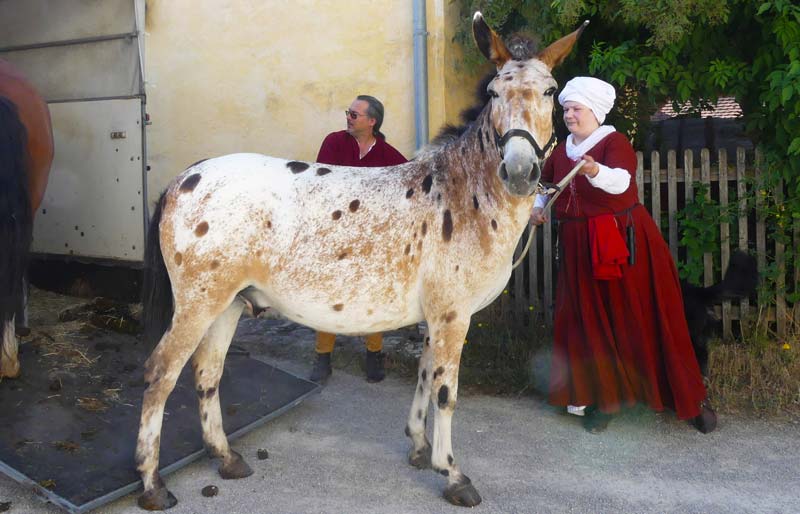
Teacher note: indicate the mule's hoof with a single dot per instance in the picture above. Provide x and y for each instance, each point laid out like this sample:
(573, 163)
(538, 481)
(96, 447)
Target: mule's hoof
(157, 499)
(420, 459)
(236, 468)
(463, 495)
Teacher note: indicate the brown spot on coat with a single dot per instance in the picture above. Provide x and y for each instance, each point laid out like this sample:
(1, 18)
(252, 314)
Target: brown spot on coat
(447, 226)
(201, 229)
(427, 183)
(450, 316)
(424, 228)
(354, 205)
(214, 264)
(178, 258)
(494, 224)
(190, 183)
(343, 255)
(336, 215)
(475, 202)
(297, 166)
(323, 171)
(408, 249)
(410, 193)
(338, 307)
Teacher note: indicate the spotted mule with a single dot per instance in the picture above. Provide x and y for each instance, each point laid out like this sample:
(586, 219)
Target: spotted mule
(349, 251)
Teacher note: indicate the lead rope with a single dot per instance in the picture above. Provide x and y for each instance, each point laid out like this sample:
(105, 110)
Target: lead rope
(555, 191)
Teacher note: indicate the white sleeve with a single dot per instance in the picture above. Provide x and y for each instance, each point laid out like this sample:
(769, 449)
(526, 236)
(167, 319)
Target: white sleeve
(611, 180)
(541, 201)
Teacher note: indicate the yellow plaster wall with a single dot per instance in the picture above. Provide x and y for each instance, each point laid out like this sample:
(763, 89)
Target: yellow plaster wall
(274, 77)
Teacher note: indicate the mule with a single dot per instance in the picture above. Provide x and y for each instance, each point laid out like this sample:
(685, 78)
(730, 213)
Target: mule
(349, 251)
(26, 154)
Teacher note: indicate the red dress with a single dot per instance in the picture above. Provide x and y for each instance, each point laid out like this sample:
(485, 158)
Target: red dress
(341, 149)
(623, 341)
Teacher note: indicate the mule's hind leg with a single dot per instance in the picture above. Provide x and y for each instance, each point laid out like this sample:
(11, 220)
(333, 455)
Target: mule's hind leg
(9, 360)
(208, 362)
(161, 373)
(447, 341)
(420, 454)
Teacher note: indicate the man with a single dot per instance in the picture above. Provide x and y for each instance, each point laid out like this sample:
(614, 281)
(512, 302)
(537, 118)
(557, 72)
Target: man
(362, 144)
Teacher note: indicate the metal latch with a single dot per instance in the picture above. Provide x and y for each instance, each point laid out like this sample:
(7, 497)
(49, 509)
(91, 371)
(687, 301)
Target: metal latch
(119, 135)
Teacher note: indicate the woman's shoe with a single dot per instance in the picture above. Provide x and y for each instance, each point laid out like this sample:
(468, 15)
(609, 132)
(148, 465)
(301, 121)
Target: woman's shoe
(706, 421)
(595, 421)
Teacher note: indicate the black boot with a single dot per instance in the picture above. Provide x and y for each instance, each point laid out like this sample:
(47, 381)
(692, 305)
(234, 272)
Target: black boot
(595, 421)
(322, 368)
(707, 420)
(375, 372)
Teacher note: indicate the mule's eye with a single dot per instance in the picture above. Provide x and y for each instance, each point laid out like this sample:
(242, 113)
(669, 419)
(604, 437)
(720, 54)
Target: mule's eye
(550, 92)
(492, 93)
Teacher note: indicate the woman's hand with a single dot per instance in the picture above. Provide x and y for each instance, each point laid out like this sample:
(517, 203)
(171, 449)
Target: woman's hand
(591, 168)
(538, 216)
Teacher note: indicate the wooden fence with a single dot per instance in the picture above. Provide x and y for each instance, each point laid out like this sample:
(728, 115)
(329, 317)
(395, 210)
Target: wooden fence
(530, 293)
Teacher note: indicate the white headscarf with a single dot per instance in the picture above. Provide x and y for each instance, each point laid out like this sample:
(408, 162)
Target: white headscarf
(594, 93)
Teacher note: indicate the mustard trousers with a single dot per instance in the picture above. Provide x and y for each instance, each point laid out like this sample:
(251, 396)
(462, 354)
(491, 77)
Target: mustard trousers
(325, 342)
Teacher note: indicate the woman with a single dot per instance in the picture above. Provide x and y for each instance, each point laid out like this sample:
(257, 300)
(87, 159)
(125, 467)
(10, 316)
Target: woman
(620, 332)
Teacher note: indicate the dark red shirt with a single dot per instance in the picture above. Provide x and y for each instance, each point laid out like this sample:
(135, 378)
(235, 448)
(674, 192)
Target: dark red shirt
(341, 149)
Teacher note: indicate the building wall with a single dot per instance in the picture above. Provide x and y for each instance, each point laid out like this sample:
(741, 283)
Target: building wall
(274, 77)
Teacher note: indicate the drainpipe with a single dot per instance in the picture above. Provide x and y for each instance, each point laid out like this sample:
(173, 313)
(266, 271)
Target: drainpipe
(420, 74)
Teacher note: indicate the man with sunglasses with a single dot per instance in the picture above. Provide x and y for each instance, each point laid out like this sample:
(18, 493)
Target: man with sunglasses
(362, 144)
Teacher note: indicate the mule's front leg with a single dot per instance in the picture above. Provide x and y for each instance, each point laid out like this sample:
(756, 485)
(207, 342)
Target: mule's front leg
(420, 454)
(161, 374)
(208, 362)
(447, 340)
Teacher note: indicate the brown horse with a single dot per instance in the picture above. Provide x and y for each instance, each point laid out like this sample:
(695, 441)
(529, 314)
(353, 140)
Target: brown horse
(347, 250)
(26, 153)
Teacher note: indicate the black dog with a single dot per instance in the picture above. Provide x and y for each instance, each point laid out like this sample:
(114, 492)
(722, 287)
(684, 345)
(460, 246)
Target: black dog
(740, 281)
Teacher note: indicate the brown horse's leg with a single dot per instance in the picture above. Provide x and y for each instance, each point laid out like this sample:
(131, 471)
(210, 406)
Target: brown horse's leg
(420, 454)
(9, 361)
(208, 362)
(161, 373)
(447, 340)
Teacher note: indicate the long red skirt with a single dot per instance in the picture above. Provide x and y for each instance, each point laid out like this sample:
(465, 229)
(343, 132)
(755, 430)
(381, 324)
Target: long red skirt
(621, 342)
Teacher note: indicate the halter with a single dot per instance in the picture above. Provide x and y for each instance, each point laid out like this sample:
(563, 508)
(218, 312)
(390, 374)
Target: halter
(540, 152)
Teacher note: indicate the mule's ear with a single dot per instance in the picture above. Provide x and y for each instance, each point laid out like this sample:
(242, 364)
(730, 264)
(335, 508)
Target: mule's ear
(555, 54)
(489, 43)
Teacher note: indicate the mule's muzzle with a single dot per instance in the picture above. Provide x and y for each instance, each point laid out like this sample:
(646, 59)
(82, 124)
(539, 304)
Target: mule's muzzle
(520, 170)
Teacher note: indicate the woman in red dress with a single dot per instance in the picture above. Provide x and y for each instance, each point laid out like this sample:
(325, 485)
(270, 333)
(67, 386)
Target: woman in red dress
(620, 333)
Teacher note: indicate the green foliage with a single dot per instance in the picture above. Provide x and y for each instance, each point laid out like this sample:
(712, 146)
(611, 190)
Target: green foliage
(699, 225)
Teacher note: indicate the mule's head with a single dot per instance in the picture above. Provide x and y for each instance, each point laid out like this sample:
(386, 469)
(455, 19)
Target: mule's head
(522, 96)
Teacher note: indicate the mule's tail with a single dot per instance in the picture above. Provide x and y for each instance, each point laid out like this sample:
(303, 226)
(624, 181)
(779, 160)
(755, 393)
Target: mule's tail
(16, 219)
(156, 287)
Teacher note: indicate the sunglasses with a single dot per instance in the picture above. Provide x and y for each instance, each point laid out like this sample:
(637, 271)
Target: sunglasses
(353, 114)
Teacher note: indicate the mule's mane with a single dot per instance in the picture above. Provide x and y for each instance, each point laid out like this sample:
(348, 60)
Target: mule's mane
(522, 48)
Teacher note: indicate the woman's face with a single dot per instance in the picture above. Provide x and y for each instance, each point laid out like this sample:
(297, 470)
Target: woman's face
(579, 119)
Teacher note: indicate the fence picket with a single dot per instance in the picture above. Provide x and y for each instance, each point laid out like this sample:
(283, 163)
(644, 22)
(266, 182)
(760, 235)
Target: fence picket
(724, 236)
(672, 203)
(741, 193)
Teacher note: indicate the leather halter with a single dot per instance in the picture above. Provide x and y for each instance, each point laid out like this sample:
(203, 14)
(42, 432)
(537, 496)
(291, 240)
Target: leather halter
(540, 152)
